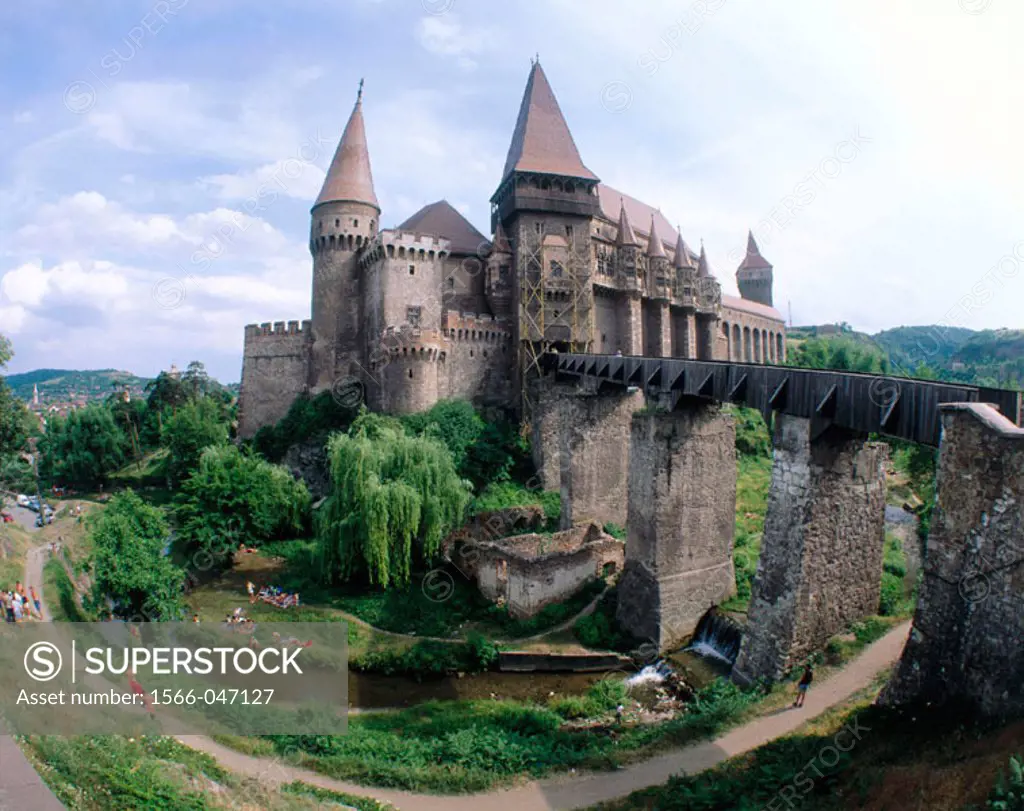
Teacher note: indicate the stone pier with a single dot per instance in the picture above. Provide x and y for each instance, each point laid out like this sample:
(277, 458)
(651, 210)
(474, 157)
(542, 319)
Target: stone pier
(821, 553)
(967, 643)
(682, 503)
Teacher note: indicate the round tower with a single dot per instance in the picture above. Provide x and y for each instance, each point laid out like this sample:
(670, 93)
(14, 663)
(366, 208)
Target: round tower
(754, 275)
(344, 220)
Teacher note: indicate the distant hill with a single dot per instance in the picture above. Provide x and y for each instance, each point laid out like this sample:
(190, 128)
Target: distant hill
(62, 385)
(987, 357)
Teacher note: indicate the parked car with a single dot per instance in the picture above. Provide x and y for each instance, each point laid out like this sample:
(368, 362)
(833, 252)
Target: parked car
(23, 500)
(33, 504)
(7, 518)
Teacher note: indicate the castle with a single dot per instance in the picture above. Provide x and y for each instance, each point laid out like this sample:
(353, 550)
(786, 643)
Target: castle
(432, 309)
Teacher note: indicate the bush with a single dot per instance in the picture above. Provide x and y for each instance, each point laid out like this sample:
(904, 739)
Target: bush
(306, 418)
(892, 595)
(1008, 794)
(187, 433)
(502, 495)
(235, 498)
(752, 436)
(430, 659)
(616, 531)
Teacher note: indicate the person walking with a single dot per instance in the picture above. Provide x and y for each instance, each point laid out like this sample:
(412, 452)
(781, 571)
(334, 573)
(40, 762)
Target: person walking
(35, 602)
(803, 685)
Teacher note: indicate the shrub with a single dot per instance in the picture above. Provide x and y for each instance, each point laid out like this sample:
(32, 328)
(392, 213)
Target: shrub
(502, 495)
(234, 498)
(188, 432)
(1008, 794)
(306, 418)
(892, 595)
(616, 531)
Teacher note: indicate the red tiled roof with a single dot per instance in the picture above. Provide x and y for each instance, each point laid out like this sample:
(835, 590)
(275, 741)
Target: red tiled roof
(752, 307)
(612, 200)
(349, 176)
(441, 219)
(541, 141)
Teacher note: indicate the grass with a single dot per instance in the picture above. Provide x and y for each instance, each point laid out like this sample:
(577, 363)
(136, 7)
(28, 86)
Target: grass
(456, 747)
(60, 594)
(116, 773)
(753, 478)
(14, 543)
(326, 795)
(896, 759)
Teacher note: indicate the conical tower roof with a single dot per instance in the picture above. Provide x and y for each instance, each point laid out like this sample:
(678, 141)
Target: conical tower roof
(500, 244)
(753, 260)
(682, 259)
(349, 177)
(655, 250)
(626, 235)
(541, 141)
(703, 271)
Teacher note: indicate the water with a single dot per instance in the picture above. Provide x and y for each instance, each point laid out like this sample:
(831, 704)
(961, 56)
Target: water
(717, 637)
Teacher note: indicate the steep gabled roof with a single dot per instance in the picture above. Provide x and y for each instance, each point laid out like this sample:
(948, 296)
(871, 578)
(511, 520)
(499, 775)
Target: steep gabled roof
(612, 201)
(541, 141)
(626, 236)
(441, 219)
(349, 176)
(655, 250)
(753, 260)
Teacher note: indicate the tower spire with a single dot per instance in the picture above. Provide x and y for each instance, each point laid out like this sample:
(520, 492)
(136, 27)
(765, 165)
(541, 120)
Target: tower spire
(703, 271)
(682, 259)
(626, 236)
(349, 177)
(655, 250)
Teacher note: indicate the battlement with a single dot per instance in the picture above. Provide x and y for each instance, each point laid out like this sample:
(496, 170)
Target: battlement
(473, 327)
(413, 245)
(278, 329)
(409, 343)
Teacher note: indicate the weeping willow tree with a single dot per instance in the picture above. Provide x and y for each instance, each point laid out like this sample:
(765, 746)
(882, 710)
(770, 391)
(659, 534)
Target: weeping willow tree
(393, 496)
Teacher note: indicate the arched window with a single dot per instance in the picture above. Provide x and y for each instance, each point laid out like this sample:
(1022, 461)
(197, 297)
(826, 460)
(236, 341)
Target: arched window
(556, 269)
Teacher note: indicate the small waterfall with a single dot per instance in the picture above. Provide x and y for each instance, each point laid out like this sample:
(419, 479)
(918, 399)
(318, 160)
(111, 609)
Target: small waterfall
(650, 675)
(717, 637)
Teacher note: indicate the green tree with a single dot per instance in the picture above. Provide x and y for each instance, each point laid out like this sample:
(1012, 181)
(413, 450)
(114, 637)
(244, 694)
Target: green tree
(394, 497)
(130, 571)
(189, 431)
(83, 448)
(234, 498)
(6, 353)
(195, 380)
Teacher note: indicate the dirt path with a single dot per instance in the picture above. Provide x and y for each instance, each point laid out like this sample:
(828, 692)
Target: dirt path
(586, 789)
(557, 793)
(20, 785)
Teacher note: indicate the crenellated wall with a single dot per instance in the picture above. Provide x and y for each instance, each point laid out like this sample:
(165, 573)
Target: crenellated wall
(275, 361)
(967, 642)
(481, 357)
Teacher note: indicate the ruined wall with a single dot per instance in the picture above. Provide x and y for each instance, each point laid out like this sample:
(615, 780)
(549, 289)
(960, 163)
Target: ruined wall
(967, 643)
(275, 365)
(821, 552)
(550, 401)
(535, 584)
(594, 456)
(682, 503)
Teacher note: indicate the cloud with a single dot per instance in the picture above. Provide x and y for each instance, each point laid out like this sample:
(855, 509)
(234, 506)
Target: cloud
(24, 117)
(447, 36)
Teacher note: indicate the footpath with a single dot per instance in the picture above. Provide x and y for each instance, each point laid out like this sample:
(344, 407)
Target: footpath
(560, 793)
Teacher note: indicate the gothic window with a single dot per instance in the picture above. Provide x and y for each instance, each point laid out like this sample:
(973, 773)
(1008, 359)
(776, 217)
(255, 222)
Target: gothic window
(412, 315)
(539, 227)
(355, 223)
(337, 223)
(568, 232)
(556, 268)
(410, 373)
(412, 270)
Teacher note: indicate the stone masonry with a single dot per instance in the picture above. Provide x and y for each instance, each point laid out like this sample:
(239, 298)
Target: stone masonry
(682, 501)
(821, 553)
(967, 642)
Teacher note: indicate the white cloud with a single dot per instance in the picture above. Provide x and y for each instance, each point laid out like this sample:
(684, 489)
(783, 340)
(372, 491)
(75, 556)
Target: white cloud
(292, 177)
(447, 36)
(24, 117)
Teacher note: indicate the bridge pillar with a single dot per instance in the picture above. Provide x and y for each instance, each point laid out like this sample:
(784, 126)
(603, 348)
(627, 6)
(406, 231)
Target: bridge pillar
(967, 643)
(821, 552)
(682, 504)
(632, 332)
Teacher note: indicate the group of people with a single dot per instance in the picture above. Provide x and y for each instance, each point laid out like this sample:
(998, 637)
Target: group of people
(272, 595)
(18, 606)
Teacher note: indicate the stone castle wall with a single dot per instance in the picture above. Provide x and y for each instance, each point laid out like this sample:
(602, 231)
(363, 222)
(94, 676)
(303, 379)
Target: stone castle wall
(967, 643)
(275, 362)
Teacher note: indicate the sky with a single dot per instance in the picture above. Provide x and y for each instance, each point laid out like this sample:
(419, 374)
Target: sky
(158, 159)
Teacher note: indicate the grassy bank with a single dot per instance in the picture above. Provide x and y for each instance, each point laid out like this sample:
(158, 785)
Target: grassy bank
(940, 761)
(455, 747)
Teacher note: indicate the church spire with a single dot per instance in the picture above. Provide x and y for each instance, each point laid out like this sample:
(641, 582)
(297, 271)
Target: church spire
(655, 250)
(349, 178)
(682, 259)
(626, 236)
(541, 141)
